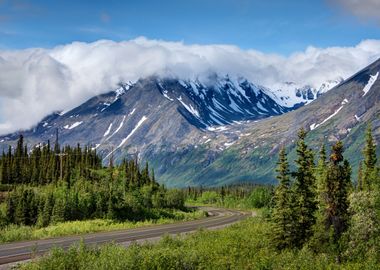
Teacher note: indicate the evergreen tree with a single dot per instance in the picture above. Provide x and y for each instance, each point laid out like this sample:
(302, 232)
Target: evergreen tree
(369, 170)
(58, 212)
(283, 218)
(47, 210)
(304, 191)
(320, 174)
(359, 185)
(110, 208)
(333, 214)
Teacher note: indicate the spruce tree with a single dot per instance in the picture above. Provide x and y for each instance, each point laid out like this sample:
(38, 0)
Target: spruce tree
(320, 173)
(369, 170)
(47, 211)
(58, 212)
(283, 218)
(359, 185)
(304, 191)
(333, 214)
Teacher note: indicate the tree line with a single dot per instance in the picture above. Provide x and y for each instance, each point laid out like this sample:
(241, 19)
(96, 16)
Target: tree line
(242, 195)
(84, 190)
(45, 164)
(317, 205)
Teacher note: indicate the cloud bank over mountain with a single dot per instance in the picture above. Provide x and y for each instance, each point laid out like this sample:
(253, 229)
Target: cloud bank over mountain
(36, 82)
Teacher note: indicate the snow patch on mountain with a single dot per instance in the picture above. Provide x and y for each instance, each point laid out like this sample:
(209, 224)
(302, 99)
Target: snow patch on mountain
(118, 129)
(315, 125)
(371, 81)
(288, 94)
(189, 108)
(133, 111)
(108, 130)
(96, 146)
(142, 120)
(124, 87)
(76, 124)
(165, 93)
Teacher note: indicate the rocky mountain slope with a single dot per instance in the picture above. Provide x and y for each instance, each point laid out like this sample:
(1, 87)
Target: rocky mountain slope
(341, 114)
(215, 132)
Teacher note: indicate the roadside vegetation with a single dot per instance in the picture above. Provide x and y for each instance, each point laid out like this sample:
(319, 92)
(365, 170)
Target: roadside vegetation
(53, 191)
(240, 196)
(318, 218)
(13, 233)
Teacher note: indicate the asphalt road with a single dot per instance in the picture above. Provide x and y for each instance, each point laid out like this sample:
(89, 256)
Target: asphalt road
(20, 251)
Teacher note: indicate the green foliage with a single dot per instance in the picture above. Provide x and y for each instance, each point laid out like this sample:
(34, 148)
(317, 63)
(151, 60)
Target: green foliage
(304, 190)
(241, 196)
(283, 217)
(43, 165)
(260, 197)
(210, 197)
(82, 191)
(364, 231)
(241, 246)
(174, 199)
(370, 159)
(12, 232)
(332, 216)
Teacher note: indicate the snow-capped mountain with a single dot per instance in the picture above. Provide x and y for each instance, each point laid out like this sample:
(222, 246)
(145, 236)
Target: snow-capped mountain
(291, 93)
(163, 120)
(220, 101)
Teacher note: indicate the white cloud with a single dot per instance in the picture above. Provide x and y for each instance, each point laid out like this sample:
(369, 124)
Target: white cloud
(36, 82)
(364, 9)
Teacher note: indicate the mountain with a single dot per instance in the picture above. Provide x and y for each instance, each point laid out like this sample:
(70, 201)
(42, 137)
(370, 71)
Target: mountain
(215, 131)
(169, 111)
(343, 113)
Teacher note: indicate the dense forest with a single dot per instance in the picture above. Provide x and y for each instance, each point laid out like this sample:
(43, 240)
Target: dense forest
(45, 164)
(48, 185)
(320, 207)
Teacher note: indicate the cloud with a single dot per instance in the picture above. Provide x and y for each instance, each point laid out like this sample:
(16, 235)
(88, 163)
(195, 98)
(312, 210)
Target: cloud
(364, 9)
(36, 82)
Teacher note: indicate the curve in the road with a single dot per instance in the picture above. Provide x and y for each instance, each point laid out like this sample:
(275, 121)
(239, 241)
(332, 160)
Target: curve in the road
(19, 251)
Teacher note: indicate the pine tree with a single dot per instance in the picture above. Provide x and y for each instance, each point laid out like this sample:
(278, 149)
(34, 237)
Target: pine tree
(369, 170)
(304, 191)
(110, 208)
(21, 208)
(333, 214)
(48, 207)
(359, 186)
(58, 212)
(283, 218)
(320, 173)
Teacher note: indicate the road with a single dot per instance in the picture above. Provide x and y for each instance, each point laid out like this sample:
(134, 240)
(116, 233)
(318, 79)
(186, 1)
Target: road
(20, 251)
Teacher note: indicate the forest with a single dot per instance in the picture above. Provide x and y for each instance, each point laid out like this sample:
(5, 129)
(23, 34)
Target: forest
(49, 185)
(319, 216)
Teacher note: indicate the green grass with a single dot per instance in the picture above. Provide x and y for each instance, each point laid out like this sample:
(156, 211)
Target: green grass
(245, 245)
(18, 233)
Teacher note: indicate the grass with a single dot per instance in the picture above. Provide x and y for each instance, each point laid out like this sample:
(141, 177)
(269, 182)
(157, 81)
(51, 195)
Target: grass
(19, 233)
(246, 245)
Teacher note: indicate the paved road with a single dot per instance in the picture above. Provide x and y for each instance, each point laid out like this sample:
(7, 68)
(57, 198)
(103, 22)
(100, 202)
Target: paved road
(20, 251)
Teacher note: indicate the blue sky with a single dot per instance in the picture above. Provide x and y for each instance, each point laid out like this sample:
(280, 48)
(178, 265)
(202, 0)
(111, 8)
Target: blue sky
(158, 36)
(276, 26)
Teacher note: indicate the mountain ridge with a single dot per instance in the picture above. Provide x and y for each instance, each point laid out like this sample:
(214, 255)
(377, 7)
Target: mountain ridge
(188, 130)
